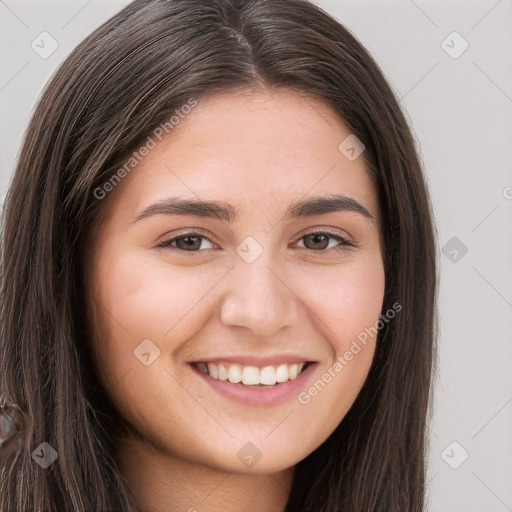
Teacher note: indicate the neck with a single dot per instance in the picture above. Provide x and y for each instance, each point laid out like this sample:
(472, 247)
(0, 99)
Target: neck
(163, 483)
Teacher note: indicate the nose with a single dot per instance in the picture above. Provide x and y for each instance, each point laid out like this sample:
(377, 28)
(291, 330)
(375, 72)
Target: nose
(259, 299)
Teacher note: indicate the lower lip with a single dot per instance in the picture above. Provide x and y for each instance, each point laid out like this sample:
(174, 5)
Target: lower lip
(270, 395)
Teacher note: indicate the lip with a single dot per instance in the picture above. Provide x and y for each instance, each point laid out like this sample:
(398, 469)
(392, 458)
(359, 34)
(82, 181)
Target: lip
(258, 396)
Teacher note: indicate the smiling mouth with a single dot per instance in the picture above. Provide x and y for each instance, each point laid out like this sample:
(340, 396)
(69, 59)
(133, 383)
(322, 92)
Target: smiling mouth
(252, 376)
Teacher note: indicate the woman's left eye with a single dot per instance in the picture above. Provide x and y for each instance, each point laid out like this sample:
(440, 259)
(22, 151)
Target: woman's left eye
(317, 241)
(320, 238)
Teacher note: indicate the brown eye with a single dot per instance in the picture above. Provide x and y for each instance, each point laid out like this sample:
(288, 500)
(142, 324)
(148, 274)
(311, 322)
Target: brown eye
(316, 241)
(321, 241)
(189, 242)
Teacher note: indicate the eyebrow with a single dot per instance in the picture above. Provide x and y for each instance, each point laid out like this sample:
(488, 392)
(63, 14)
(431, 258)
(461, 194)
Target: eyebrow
(227, 212)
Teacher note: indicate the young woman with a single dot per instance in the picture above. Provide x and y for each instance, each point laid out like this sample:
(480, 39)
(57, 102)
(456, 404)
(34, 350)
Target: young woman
(218, 274)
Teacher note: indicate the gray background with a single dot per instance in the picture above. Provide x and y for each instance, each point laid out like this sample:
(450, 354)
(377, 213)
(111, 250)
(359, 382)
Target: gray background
(460, 107)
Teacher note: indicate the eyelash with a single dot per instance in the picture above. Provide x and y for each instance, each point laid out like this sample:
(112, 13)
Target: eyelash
(344, 242)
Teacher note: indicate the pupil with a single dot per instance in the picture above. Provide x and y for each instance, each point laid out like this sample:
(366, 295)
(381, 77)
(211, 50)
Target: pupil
(188, 242)
(318, 238)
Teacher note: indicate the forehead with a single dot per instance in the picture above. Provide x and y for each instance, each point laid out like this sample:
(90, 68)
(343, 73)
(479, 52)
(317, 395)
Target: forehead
(254, 149)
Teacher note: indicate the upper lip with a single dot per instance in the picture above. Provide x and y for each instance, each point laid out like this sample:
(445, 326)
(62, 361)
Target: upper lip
(255, 360)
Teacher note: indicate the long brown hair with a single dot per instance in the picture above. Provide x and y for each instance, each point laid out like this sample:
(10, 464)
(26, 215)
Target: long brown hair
(124, 80)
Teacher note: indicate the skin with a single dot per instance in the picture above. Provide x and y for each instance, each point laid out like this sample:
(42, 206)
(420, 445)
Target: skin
(259, 151)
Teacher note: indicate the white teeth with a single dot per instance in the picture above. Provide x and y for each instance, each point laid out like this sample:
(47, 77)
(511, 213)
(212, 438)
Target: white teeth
(268, 375)
(212, 370)
(235, 373)
(222, 371)
(282, 373)
(293, 371)
(252, 375)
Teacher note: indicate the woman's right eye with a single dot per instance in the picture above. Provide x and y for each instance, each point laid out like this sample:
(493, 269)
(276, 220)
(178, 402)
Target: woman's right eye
(187, 242)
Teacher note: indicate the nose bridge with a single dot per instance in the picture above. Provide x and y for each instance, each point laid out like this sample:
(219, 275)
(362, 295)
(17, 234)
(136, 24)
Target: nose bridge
(257, 297)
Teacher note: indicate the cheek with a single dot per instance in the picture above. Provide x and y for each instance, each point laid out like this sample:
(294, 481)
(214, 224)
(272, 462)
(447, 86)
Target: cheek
(347, 298)
(137, 298)
(347, 302)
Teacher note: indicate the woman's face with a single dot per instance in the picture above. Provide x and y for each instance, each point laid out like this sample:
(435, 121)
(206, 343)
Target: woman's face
(239, 285)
